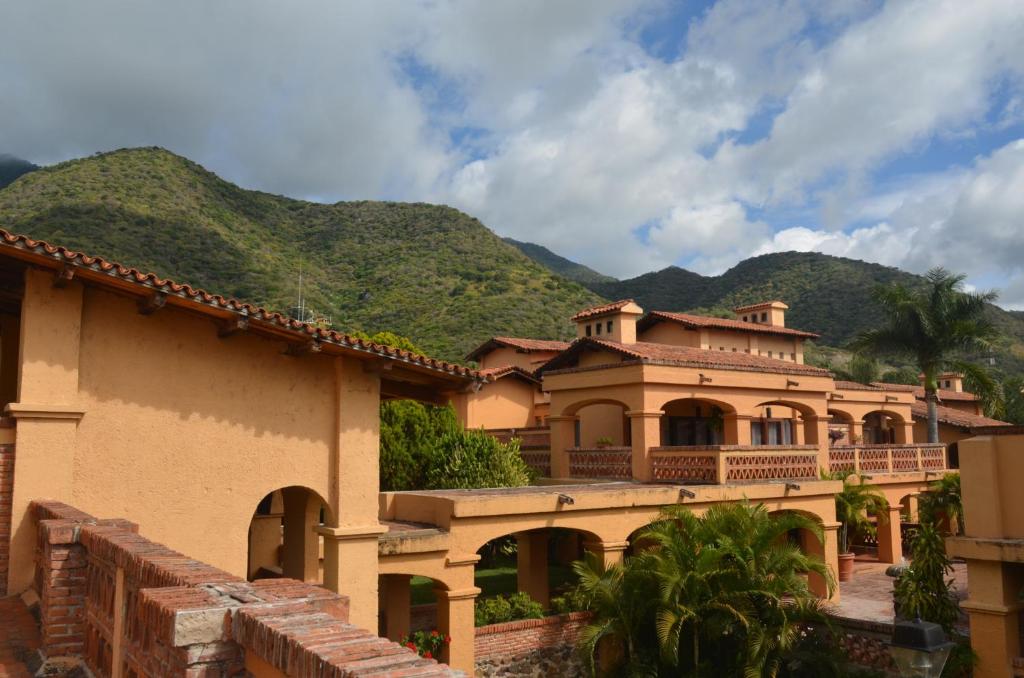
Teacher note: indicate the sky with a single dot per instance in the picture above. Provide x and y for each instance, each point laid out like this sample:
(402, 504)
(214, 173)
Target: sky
(628, 135)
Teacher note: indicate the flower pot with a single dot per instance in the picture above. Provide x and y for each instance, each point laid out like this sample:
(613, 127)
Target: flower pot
(846, 566)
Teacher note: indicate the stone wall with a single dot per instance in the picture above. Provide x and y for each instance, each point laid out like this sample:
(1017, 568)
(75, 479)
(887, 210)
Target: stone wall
(127, 606)
(530, 647)
(6, 500)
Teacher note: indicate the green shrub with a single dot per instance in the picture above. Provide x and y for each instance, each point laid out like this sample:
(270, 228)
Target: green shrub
(573, 600)
(499, 609)
(474, 459)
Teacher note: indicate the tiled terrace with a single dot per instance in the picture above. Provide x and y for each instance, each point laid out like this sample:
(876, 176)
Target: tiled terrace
(19, 638)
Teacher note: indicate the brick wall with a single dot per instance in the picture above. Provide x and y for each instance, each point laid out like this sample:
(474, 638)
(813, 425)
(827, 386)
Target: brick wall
(513, 639)
(113, 598)
(6, 498)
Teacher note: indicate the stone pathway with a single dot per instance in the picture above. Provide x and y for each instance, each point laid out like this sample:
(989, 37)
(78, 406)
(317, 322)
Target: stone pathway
(19, 637)
(868, 596)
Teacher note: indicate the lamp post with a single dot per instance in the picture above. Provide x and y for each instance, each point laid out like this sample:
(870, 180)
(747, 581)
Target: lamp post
(919, 648)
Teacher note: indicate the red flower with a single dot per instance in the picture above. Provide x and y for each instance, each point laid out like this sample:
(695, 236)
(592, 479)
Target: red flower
(411, 645)
(447, 640)
(427, 655)
(434, 634)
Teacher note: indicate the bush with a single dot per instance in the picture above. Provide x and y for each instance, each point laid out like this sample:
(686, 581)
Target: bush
(427, 644)
(573, 600)
(501, 609)
(474, 459)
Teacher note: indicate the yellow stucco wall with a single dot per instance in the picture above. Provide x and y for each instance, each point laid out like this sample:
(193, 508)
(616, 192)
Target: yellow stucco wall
(506, 403)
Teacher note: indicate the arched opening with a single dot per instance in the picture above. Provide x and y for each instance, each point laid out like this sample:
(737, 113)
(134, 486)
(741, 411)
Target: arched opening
(697, 421)
(537, 562)
(600, 423)
(882, 427)
(408, 603)
(283, 541)
(781, 422)
(810, 545)
(841, 429)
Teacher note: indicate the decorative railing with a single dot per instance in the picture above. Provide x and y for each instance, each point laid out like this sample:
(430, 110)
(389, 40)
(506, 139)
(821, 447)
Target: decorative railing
(887, 458)
(532, 438)
(538, 460)
(601, 462)
(719, 464)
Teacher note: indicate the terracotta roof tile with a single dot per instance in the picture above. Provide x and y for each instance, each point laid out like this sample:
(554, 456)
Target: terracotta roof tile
(954, 417)
(763, 304)
(495, 373)
(685, 356)
(706, 322)
(528, 345)
(602, 309)
(48, 254)
(947, 395)
(902, 388)
(856, 386)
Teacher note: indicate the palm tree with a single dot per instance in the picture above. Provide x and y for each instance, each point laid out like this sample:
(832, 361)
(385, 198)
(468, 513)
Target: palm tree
(936, 325)
(943, 498)
(722, 594)
(853, 504)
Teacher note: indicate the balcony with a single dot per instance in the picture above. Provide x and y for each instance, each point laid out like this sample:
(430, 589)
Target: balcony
(611, 463)
(896, 458)
(720, 464)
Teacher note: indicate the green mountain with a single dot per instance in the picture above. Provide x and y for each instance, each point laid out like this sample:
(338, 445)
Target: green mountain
(560, 265)
(428, 272)
(11, 168)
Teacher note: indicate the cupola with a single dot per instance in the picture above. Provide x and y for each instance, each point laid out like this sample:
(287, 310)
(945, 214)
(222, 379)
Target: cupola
(615, 321)
(772, 313)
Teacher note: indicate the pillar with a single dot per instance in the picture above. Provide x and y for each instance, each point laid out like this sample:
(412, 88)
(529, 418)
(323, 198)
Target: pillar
(567, 548)
(913, 514)
(300, 557)
(645, 426)
(350, 541)
(856, 432)
(47, 410)
(828, 551)
(397, 605)
(563, 436)
(736, 429)
(532, 564)
(816, 433)
(455, 619)
(994, 607)
(904, 432)
(608, 552)
(798, 430)
(890, 541)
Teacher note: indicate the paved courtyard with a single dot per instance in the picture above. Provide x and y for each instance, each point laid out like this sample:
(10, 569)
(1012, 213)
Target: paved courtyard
(868, 596)
(19, 637)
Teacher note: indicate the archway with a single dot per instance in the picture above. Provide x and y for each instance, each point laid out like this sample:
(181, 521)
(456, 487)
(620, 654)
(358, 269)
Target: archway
(698, 421)
(408, 603)
(883, 427)
(600, 423)
(283, 541)
(843, 429)
(784, 422)
(810, 544)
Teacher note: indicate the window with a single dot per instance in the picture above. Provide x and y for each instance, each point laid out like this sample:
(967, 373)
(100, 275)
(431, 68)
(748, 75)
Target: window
(608, 329)
(792, 356)
(744, 318)
(764, 317)
(588, 330)
(721, 348)
(598, 328)
(769, 354)
(733, 349)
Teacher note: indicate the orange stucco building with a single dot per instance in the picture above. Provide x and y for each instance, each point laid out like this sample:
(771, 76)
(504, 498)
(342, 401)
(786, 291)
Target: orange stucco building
(251, 441)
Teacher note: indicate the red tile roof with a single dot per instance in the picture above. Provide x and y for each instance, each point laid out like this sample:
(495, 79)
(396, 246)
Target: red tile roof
(527, 345)
(495, 373)
(763, 304)
(595, 311)
(856, 386)
(695, 322)
(947, 395)
(902, 388)
(102, 271)
(954, 417)
(684, 356)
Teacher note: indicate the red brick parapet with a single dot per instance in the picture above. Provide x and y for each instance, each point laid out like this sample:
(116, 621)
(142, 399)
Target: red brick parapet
(116, 599)
(516, 638)
(6, 503)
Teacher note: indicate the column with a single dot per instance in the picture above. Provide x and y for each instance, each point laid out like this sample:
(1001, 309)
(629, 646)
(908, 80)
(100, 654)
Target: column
(47, 409)
(455, 619)
(994, 607)
(532, 564)
(645, 426)
(890, 543)
(567, 548)
(608, 552)
(736, 429)
(397, 605)
(816, 433)
(828, 551)
(563, 436)
(904, 432)
(798, 430)
(350, 544)
(912, 508)
(300, 557)
(856, 432)
(10, 335)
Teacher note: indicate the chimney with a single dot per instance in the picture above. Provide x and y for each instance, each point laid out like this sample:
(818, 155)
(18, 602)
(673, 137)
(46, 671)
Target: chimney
(613, 322)
(771, 313)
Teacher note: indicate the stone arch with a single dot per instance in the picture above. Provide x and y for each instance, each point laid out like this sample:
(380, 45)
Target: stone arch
(780, 430)
(573, 409)
(697, 420)
(882, 426)
(600, 421)
(282, 538)
(408, 604)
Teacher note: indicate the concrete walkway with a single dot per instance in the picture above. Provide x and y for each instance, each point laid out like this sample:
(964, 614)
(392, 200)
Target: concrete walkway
(19, 637)
(868, 597)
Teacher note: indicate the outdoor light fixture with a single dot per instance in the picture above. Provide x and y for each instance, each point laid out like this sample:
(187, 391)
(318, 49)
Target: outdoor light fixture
(703, 379)
(689, 494)
(565, 499)
(919, 648)
(792, 486)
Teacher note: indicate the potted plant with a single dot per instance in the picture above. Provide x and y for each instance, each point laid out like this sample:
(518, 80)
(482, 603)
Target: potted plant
(853, 503)
(603, 442)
